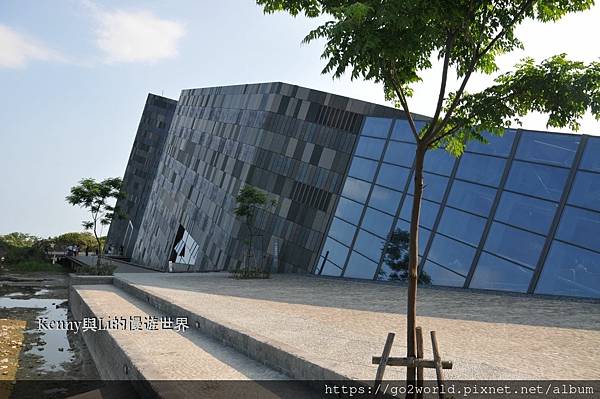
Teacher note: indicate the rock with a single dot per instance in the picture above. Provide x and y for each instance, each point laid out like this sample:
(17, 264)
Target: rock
(61, 349)
(5, 373)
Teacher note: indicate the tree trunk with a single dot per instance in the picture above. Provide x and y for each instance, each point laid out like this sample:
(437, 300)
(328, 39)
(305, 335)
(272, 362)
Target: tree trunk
(99, 249)
(413, 263)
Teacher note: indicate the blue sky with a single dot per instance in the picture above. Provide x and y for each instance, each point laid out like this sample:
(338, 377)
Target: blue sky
(75, 74)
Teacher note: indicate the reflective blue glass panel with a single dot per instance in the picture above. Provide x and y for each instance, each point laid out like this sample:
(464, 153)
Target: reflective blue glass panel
(429, 211)
(342, 231)
(377, 127)
(335, 252)
(403, 132)
(363, 168)
(586, 190)
(360, 267)
(400, 153)
(370, 148)
(554, 149)
(434, 187)
(580, 227)
(481, 169)
(570, 271)
(590, 159)
(497, 145)
(369, 245)
(462, 226)
(349, 210)
(385, 199)
(471, 197)
(537, 180)
(357, 190)
(526, 212)
(393, 176)
(377, 222)
(395, 256)
(493, 273)
(329, 269)
(439, 161)
(441, 276)
(514, 244)
(404, 227)
(451, 254)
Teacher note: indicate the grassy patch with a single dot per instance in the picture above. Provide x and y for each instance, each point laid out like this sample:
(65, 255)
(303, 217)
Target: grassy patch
(102, 270)
(33, 266)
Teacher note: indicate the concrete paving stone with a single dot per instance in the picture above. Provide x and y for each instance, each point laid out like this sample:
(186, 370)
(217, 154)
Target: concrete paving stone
(339, 324)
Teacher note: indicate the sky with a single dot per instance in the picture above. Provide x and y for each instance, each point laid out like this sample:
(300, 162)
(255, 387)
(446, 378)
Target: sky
(75, 74)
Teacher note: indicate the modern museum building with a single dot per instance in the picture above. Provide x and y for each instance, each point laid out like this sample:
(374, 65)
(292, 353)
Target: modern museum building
(520, 214)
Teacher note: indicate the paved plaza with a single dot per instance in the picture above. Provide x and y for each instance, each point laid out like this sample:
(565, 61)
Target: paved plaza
(340, 324)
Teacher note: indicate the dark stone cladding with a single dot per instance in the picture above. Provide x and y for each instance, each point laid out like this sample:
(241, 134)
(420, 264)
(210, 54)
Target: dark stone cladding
(141, 170)
(292, 142)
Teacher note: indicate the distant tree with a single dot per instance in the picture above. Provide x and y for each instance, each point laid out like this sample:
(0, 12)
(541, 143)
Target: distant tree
(249, 201)
(84, 239)
(16, 247)
(97, 197)
(394, 41)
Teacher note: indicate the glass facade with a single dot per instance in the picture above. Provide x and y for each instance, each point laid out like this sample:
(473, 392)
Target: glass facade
(520, 213)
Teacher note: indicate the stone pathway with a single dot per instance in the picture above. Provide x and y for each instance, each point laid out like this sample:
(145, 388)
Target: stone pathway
(340, 324)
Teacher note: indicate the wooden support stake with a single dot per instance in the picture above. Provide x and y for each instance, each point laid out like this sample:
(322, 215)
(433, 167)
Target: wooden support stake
(384, 358)
(419, 368)
(438, 364)
(412, 362)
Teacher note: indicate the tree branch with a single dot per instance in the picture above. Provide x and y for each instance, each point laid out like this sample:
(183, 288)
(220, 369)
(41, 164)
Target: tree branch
(442, 93)
(404, 103)
(476, 57)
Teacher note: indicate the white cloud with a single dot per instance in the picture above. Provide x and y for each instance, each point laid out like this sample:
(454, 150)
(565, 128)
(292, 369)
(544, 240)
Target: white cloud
(16, 50)
(138, 36)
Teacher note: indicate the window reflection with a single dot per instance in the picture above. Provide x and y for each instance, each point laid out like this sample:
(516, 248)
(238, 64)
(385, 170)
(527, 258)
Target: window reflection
(403, 132)
(396, 256)
(334, 252)
(370, 148)
(329, 269)
(586, 190)
(434, 187)
(377, 127)
(590, 159)
(429, 211)
(497, 145)
(393, 176)
(570, 271)
(514, 244)
(580, 227)
(385, 199)
(360, 267)
(349, 210)
(342, 231)
(357, 190)
(363, 168)
(400, 153)
(526, 212)
(442, 276)
(471, 197)
(439, 161)
(462, 226)
(493, 273)
(377, 222)
(555, 149)
(369, 245)
(537, 180)
(451, 254)
(481, 169)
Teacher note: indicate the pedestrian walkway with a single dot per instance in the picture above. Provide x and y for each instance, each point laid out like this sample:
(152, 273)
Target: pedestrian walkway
(339, 324)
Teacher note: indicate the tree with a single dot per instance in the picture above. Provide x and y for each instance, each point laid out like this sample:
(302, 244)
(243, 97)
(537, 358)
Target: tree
(96, 197)
(249, 201)
(83, 239)
(393, 41)
(396, 257)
